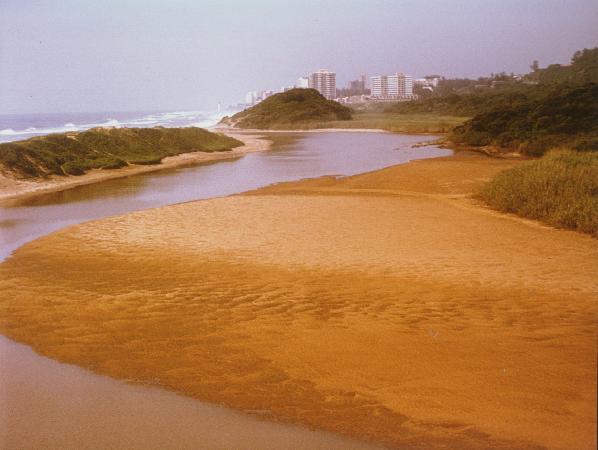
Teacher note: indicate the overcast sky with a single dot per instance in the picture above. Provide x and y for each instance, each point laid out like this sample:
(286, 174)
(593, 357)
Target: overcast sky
(129, 55)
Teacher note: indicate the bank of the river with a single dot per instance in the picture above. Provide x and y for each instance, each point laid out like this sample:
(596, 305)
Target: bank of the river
(385, 306)
(12, 189)
(35, 386)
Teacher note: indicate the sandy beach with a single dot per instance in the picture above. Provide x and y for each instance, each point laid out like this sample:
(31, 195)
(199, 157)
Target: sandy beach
(12, 189)
(387, 306)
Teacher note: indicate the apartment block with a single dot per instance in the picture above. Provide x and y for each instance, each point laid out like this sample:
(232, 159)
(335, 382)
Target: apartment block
(324, 82)
(392, 87)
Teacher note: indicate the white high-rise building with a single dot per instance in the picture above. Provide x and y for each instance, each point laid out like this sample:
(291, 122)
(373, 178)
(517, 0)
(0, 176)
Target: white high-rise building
(392, 87)
(302, 82)
(324, 82)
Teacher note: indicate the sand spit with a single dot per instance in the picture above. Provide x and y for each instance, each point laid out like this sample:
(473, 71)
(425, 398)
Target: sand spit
(387, 306)
(16, 189)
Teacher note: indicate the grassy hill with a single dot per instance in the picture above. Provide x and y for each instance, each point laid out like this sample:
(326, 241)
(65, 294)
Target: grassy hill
(555, 117)
(293, 109)
(105, 148)
(552, 107)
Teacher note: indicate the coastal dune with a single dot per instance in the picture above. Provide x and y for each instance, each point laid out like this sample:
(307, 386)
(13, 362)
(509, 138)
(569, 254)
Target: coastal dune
(387, 306)
(14, 189)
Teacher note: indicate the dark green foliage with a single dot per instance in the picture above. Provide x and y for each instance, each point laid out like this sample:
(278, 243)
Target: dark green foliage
(551, 117)
(291, 109)
(583, 69)
(106, 148)
(465, 105)
(561, 189)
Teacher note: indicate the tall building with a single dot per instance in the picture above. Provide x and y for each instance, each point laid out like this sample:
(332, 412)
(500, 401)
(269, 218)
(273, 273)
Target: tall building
(250, 98)
(324, 82)
(302, 82)
(392, 87)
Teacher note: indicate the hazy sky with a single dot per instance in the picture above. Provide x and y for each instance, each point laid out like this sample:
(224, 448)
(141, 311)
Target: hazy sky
(114, 55)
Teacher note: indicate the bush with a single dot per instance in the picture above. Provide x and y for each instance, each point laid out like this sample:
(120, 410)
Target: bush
(560, 189)
(106, 148)
(552, 117)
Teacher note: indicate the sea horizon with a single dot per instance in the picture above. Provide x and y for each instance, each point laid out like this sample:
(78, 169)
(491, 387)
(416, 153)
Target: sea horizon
(19, 126)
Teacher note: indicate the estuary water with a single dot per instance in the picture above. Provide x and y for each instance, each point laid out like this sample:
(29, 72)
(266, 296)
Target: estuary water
(47, 404)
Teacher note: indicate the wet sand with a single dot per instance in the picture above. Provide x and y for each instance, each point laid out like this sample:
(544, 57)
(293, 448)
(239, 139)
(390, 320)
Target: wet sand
(12, 189)
(76, 409)
(387, 306)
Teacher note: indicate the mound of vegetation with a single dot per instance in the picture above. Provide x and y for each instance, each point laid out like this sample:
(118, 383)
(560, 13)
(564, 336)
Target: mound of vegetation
(106, 148)
(560, 189)
(560, 116)
(293, 109)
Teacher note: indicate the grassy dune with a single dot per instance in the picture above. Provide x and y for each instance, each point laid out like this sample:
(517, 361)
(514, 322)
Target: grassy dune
(106, 148)
(560, 189)
(292, 109)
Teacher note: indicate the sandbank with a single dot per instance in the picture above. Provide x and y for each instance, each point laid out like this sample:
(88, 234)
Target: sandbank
(387, 306)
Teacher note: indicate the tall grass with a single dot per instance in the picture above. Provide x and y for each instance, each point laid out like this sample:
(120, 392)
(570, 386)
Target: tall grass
(399, 123)
(560, 189)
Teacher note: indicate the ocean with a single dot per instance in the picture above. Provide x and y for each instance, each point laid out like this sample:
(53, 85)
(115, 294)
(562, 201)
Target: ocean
(15, 127)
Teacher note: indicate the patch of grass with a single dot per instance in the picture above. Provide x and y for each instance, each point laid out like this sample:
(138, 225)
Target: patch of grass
(399, 123)
(106, 148)
(560, 189)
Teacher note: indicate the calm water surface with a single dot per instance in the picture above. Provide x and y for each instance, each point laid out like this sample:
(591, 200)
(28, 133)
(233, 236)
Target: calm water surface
(312, 155)
(44, 403)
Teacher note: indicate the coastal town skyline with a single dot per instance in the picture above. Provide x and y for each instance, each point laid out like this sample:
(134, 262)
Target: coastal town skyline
(78, 56)
(397, 86)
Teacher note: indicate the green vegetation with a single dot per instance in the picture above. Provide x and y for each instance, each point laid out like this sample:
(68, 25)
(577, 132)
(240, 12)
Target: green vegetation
(560, 116)
(465, 104)
(552, 107)
(560, 189)
(293, 109)
(398, 123)
(106, 148)
(583, 69)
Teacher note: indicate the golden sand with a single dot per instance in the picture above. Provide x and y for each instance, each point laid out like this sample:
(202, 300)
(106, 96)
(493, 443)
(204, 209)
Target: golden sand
(387, 306)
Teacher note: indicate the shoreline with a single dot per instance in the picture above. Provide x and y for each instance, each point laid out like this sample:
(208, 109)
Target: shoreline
(307, 356)
(111, 413)
(13, 191)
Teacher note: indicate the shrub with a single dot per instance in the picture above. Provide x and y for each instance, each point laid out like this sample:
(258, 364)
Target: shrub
(560, 189)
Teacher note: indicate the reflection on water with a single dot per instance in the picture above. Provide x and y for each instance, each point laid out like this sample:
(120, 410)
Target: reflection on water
(308, 155)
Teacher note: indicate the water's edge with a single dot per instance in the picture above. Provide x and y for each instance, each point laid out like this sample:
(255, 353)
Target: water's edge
(75, 408)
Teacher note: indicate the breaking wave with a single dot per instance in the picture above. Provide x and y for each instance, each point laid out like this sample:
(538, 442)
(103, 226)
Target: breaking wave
(198, 118)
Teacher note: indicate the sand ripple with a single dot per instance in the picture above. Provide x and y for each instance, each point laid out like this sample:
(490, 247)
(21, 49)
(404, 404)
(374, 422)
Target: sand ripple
(410, 317)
